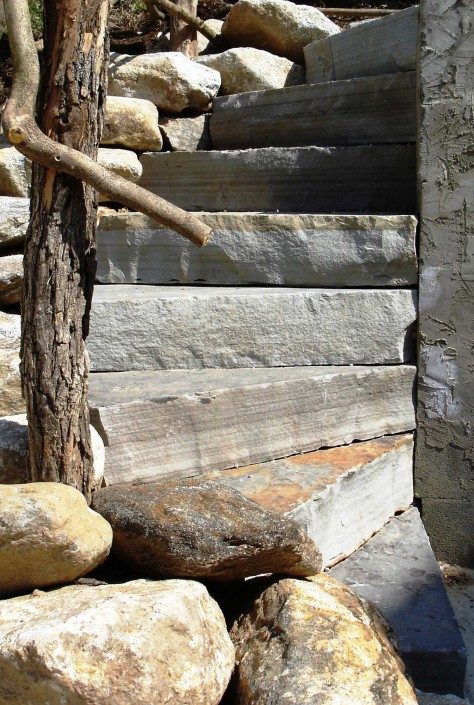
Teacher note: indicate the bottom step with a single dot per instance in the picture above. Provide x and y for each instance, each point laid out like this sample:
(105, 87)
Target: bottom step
(397, 571)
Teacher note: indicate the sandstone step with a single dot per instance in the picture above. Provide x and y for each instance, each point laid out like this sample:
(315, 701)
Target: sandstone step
(363, 179)
(170, 327)
(256, 248)
(167, 422)
(385, 45)
(376, 109)
(397, 571)
(341, 496)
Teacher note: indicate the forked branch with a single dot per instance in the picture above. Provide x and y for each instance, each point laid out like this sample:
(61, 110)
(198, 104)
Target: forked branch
(22, 132)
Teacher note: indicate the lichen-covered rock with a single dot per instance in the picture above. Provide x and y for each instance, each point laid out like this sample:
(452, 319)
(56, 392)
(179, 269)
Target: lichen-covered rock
(202, 529)
(11, 400)
(186, 134)
(14, 217)
(14, 446)
(48, 535)
(132, 123)
(15, 172)
(11, 279)
(169, 80)
(316, 642)
(142, 642)
(278, 26)
(246, 69)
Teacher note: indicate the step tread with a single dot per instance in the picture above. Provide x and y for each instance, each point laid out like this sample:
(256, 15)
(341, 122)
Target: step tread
(367, 110)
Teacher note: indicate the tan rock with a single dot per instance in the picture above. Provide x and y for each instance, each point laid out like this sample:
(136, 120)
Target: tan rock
(186, 134)
(11, 279)
(11, 401)
(277, 26)
(48, 535)
(14, 217)
(133, 123)
(14, 172)
(146, 642)
(122, 162)
(315, 641)
(168, 79)
(246, 69)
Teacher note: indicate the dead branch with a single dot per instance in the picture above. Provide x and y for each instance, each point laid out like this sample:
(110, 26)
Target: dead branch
(343, 12)
(22, 132)
(192, 21)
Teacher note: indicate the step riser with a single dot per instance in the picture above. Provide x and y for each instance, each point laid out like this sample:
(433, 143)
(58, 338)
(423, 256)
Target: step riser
(189, 433)
(149, 328)
(341, 496)
(386, 45)
(378, 179)
(373, 110)
(286, 250)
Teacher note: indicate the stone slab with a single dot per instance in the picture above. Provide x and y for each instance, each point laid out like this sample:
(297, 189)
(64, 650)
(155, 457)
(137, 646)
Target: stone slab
(186, 134)
(14, 217)
(168, 422)
(261, 248)
(385, 45)
(376, 109)
(170, 327)
(397, 571)
(341, 496)
(364, 179)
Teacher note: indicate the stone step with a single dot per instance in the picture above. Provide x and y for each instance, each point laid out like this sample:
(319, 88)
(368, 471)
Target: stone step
(397, 571)
(363, 179)
(372, 110)
(170, 327)
(256, 248)
(341, 496)
(385, 45)
(163, 423)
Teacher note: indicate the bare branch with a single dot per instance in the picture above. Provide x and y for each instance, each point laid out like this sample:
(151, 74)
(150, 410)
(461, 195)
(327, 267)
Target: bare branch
(192, 21)
(21, 130)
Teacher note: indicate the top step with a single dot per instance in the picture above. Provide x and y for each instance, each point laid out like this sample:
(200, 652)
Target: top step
(385, 45)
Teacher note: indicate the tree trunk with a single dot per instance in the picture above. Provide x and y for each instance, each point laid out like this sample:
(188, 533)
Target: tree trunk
(60, 248)
(183, 37)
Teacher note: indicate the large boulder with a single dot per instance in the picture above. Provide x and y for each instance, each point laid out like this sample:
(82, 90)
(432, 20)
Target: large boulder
(142, 642)
(14, 218)
(11, 279)
(132, 123)
(315, 642)
(169, 80)
(202, 529)
(246, 69)
(278, 26)
(15, 172)
(186, 134)
(14, 447)
(48, 535)
(11, 400)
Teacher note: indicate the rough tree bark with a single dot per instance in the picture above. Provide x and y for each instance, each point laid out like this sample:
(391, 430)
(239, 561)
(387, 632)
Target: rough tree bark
(183, 37)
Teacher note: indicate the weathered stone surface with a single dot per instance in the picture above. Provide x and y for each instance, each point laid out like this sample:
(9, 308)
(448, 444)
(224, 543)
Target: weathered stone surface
(385, 45)
(315, 641)
(276, 25)
(132, 123)
(371, 110)
(186, 134)
(397, 571)
(341, 496)
(123, 162)
(159, 423)
(169, 80)
(48, 535)
(169, 327)
(14, 172)
(256, 248)
(202, 529)
(246, 69)
(435, 699)
(11, 401)
(14, 217)
(14, 446)
(362, 179)
(11, 279)
(146, 641)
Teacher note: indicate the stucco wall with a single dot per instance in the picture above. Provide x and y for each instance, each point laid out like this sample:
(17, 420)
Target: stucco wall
(444, 454)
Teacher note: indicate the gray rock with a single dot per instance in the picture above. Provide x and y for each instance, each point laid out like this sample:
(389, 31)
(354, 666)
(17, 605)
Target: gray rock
(140, 328)
(186, 134)
(11, 279)
(132, 123)
(202, 529)
(15, 173)
(169, 422)
(397, 571)
(256, 248)
(246, 69)
(436, 699)
(14, 218)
